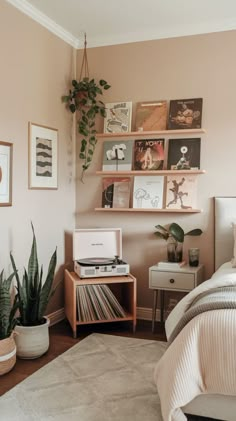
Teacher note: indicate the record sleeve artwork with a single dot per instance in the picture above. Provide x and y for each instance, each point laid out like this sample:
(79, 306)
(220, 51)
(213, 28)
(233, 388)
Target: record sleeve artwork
(149, 154)
(151, 116)
(117, 156)
(116, 192)
(118, 117)
(181, 192)
(184, 154)
(185, 114)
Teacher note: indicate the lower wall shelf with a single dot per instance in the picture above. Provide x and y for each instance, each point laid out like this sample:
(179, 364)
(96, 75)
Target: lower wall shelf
(148, 210)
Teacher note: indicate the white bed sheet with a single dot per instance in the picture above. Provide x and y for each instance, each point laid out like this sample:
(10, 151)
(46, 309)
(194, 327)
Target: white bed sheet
(215, 406)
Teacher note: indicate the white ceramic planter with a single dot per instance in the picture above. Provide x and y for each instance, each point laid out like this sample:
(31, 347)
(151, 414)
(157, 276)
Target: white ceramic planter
(32, 341)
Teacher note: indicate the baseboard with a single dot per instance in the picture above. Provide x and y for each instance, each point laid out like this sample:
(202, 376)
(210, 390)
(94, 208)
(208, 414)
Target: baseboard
(143, 313)
(57, 316)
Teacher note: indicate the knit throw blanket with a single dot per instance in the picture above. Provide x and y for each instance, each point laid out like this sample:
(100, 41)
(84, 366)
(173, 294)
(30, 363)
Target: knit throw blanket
(214, 299)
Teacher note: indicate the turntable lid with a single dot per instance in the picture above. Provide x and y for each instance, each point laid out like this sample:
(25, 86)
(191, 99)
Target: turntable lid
(99, 242)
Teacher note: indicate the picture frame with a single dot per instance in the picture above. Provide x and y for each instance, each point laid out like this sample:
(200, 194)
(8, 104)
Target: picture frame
(43, 157)
(6, 153)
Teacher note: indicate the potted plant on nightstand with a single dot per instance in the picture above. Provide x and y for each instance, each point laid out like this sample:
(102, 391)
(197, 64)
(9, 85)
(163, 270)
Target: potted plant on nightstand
(7, 325)
(174, 235)
(32, 339)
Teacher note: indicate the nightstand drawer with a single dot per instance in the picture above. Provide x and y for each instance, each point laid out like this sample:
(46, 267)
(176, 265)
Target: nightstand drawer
(171, 280)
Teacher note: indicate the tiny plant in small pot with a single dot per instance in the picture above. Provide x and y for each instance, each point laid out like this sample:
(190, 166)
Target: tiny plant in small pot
(174, 235)
(8, 309)
(33, 294)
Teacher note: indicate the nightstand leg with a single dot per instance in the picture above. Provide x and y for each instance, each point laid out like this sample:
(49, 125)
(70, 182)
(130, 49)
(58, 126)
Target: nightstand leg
(162, 305)
(154, 310)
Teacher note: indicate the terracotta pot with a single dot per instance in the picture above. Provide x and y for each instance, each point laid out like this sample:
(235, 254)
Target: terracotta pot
(32, 341)
(7, 354)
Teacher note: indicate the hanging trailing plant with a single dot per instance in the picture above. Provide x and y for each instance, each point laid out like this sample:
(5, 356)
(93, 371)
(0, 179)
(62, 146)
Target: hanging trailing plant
(83, 98)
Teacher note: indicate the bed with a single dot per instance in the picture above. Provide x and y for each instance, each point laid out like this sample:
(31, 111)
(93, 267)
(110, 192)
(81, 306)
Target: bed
(217, 406)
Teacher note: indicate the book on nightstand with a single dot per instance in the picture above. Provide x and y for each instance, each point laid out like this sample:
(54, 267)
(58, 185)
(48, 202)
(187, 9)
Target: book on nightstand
(171, 265)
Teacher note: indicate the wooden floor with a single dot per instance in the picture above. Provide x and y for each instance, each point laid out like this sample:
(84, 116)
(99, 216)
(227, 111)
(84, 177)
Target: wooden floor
(61, 339)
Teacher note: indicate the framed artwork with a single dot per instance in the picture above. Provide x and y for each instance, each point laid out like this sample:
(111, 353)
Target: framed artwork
(43, 157)
(6, 173)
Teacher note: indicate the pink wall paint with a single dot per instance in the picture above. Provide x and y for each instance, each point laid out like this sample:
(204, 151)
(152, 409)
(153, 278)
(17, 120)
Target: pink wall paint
(187, 67)
(36, 68)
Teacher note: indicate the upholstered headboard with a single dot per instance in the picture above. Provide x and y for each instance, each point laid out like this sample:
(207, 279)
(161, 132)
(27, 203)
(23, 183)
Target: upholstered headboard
(225, 214)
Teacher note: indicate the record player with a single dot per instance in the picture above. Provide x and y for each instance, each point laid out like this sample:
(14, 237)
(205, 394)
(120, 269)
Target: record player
(98, 253)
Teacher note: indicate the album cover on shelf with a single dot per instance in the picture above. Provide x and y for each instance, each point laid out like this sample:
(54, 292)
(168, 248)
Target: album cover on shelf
(148, 154)
(184, 154)
(148, 192)
(181, 191)
(185, 114)
(116, 192)
(117, 155)
(151, 116)
(118, 117)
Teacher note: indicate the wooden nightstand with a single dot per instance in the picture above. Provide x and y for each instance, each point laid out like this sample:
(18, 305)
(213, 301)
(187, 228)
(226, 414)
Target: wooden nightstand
(182, 279)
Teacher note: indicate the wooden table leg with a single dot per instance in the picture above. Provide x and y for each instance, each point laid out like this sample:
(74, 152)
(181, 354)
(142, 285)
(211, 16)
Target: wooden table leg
(154, 309)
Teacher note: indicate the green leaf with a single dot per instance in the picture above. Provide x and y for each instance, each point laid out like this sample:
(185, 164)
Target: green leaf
(195, 232)
(82, 155)
(103, 112)
(107, 87)
(102, 82)
(162, 235)
(74, 83)
(90, 152)
(177, 232)
(65, 98)
(72, 108)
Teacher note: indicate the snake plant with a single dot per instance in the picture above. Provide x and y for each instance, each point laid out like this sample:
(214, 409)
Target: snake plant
(32, 292)
(7, 309)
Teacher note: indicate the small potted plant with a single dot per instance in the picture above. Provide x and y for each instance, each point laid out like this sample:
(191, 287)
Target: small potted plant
(7, 324)
(83, 98)
(33, 294)
(174, 235)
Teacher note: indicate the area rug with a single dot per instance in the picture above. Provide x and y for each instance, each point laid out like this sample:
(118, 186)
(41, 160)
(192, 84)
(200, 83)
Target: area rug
(102, 378)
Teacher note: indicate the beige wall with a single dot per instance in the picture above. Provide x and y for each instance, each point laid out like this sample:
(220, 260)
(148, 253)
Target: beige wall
(188, 67)
(36, 68)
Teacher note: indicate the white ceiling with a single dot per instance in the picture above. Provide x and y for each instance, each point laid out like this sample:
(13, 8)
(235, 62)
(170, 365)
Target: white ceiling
(109, 22)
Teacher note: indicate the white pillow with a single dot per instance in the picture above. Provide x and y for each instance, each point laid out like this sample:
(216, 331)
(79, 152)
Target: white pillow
(233, 261)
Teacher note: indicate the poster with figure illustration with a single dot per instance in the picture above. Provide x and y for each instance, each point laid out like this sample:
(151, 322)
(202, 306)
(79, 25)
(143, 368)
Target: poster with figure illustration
(148, 154)
(181, 191)
(148, 192)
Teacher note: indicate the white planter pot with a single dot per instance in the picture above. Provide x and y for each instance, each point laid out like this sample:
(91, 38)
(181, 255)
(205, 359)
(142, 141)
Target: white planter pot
(32, 341)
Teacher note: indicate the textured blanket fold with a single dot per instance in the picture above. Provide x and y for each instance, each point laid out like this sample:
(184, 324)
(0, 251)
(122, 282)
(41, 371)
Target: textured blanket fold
(215, 299)
(202, 357)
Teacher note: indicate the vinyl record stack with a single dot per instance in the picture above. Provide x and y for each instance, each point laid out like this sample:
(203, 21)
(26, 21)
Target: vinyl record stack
(97, 302)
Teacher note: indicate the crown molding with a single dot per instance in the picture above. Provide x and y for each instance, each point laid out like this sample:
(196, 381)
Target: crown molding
(31, 11)
(124, 38)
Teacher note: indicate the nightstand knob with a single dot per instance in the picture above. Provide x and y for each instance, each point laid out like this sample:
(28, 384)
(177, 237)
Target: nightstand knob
(172, 280)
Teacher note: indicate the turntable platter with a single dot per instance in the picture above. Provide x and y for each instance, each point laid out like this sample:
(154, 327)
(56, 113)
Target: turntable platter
(96, 261)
